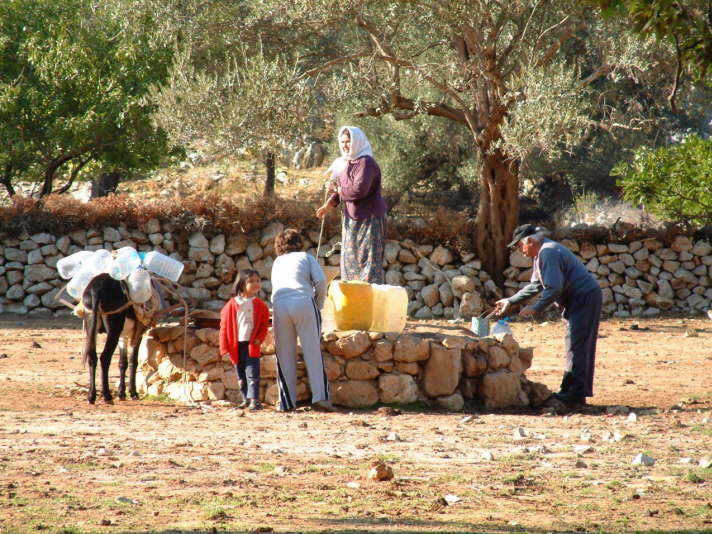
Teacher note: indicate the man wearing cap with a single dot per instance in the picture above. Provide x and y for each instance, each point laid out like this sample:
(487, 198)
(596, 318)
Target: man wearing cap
(562, 278)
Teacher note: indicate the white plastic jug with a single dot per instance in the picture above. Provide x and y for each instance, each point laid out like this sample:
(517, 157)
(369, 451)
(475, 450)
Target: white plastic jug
(163, 265)
(80, 281)
(139, 283)
(70, 265)
(125, 262)
(100, 261)
(390, 308)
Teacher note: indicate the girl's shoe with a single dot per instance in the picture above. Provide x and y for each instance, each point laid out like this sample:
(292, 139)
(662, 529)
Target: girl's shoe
(255, 405)
(243, 404)
(324, 406)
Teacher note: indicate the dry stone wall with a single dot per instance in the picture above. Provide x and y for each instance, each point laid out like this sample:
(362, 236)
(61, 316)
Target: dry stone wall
(363, 368)
(639, 278)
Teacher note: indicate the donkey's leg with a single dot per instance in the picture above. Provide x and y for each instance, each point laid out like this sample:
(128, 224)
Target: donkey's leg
(89, 354)
(114, 324)
(122, 367)
(125, 344)
(133, 362)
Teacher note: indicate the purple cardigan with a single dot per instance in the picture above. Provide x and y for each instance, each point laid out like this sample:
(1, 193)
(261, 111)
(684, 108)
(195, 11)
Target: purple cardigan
(360, 189)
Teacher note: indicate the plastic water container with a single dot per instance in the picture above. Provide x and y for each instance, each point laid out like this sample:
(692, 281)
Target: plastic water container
(390, 308)
(139, 283)
(70, 265)
(501, 327)
(79, 282)
(100, 261)
(125, 262)
(163, 265)
(328, 321)
(353, 304)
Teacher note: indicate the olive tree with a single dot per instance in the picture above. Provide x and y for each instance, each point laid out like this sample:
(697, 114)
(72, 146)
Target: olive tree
(518, 76)
(73, 77)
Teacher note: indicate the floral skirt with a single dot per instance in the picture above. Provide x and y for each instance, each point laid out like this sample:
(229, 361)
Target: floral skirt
(362, 243)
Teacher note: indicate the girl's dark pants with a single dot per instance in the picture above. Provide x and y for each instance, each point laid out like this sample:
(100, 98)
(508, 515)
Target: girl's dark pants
(248, 372)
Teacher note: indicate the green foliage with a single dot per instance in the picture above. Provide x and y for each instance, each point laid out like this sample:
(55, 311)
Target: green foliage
(249, 97)
(672, 182)
(254, 102)
(73, 77)
(687, 24)
(424, 154)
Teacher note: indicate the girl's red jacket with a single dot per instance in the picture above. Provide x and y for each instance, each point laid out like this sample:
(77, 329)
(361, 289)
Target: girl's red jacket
(228, 328)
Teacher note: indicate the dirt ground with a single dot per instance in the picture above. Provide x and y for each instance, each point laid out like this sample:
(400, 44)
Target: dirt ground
(156, 466)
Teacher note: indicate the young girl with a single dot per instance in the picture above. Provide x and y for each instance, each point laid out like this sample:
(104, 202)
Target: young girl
(244, 321)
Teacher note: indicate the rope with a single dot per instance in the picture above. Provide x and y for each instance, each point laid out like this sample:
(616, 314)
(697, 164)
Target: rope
(323, 220)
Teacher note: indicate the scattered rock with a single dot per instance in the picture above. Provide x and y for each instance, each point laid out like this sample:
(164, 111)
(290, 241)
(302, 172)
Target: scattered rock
(126, 500)
(582, 449)
(380, 471)
(451, 499)
(520, 433)
(643, 459)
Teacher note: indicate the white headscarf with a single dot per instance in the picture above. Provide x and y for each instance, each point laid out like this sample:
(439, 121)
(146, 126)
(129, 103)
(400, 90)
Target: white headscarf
(359, 147)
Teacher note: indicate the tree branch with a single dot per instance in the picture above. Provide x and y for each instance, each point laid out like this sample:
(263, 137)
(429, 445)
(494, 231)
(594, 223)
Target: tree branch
(678, 71)
(7, 180)
(73, 175)
(330, 64)
(407, 104)
(464, 112)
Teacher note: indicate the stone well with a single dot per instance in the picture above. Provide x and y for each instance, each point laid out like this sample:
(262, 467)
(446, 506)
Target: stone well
(363, 368)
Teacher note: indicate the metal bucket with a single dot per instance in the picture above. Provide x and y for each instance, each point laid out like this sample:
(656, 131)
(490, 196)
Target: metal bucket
(480, 326)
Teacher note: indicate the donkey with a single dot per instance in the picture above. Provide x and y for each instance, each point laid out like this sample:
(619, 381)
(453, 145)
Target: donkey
(105, 302)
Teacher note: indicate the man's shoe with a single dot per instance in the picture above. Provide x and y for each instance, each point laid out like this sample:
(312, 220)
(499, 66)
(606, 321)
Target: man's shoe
(255, 405)
(571, 401)
(243, 404)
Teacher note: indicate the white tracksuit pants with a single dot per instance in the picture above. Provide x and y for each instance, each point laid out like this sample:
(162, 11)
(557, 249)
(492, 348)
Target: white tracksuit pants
(291, 317)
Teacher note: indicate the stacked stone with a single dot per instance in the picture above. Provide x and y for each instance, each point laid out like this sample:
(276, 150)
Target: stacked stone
(363, 368)
(438, 285)
(29, 280)
(640, 278)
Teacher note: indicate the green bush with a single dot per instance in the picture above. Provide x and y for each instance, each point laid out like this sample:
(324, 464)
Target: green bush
(674, 183)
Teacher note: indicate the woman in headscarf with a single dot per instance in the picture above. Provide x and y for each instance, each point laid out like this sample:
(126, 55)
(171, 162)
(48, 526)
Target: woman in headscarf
(357, 186)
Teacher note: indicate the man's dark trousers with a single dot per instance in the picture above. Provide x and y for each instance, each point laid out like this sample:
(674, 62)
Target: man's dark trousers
(583, 314)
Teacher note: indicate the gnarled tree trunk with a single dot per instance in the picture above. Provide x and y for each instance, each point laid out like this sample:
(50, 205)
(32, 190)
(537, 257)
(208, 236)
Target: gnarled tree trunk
(271, 171)
(498, 212)
(106, 183)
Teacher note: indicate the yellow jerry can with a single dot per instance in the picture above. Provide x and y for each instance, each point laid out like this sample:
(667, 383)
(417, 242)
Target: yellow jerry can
(352, 304)
(390, 308)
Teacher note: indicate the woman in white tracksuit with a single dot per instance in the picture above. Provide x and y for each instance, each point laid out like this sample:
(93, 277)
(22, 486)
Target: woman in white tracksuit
(298, 292)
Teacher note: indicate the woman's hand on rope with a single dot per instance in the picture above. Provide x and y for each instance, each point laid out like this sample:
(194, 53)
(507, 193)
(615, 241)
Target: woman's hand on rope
(321, 211)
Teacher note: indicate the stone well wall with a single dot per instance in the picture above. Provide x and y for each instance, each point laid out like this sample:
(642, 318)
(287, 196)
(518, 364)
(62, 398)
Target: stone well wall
(363, 368)
(641, 277)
